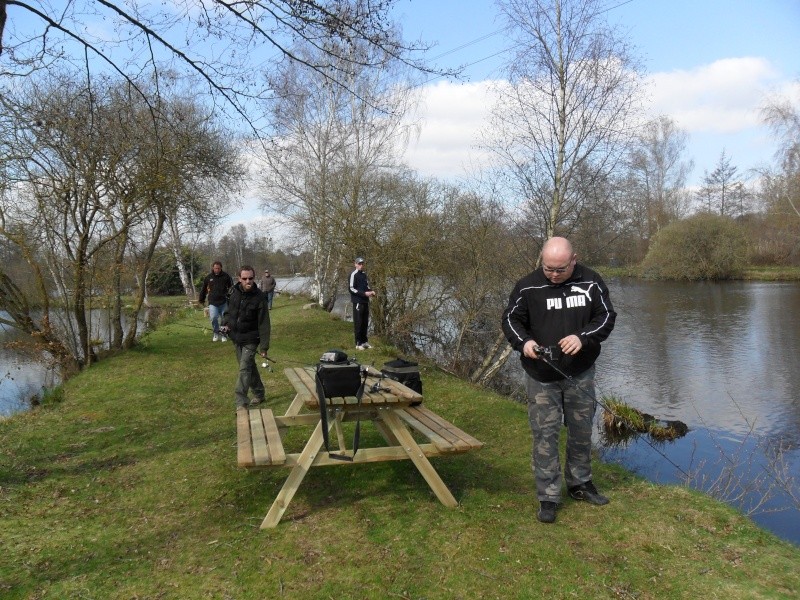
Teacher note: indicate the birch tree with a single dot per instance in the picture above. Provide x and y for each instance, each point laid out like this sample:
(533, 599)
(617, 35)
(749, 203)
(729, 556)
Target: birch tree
(782, 115)
(330, 148)
(567, 112)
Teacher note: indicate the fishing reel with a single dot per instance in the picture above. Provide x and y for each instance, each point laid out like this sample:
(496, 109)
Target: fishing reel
(375, 387)
(552, 353)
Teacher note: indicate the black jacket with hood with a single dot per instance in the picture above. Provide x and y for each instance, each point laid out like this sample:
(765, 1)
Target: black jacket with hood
(216, 288)
(545, 312)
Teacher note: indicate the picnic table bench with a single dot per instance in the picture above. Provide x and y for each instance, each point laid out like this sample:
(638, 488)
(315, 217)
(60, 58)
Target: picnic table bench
(392, 407)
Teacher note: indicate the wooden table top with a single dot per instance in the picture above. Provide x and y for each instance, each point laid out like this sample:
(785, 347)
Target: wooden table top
(378, 390)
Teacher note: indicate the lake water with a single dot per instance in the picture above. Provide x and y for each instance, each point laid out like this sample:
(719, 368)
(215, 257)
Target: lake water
(721, 357)
(21, 375)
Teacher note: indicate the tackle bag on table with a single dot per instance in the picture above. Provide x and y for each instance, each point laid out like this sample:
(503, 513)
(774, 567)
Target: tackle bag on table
(338, 375)
(335, 376)
(406, 372)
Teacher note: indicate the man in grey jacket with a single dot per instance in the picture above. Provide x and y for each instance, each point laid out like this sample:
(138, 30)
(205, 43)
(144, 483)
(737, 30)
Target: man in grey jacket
(267, 286)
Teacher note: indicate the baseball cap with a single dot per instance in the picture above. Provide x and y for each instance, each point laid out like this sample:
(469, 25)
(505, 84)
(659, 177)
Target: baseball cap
(359, 260)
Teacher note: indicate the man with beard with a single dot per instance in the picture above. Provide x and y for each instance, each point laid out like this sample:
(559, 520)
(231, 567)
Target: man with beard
(246, 322)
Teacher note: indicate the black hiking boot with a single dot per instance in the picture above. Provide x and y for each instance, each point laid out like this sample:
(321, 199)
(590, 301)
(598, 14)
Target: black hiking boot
(588, 493)
(547, 511)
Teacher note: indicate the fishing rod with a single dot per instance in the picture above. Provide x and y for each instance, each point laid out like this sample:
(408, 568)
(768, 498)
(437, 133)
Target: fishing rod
(546, 354)
(200, 327)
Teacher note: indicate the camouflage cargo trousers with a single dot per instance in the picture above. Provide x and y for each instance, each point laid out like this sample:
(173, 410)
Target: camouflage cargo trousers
(249, 377)
(549, 406)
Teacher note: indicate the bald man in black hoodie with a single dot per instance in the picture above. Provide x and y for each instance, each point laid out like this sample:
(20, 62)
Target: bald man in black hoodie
(564, 307)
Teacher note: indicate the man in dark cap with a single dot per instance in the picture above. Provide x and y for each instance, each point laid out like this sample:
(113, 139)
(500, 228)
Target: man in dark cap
(360, 293)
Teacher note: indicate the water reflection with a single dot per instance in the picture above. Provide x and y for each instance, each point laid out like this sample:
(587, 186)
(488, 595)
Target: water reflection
(713, 355)
(723, 358)
(21, 375)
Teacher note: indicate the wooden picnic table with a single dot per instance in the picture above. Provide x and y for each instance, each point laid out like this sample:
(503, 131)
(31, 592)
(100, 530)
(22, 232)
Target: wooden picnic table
(393, 408)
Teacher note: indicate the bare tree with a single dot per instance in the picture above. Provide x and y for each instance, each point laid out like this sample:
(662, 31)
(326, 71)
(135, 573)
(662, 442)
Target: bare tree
(330, 148)
(234, 244)
(776, 234)
(567, 112)
(656, 177)
(782, 115)
(227, 44)
(95, 177)
(59, 163)
(477, 243)
(205, 172)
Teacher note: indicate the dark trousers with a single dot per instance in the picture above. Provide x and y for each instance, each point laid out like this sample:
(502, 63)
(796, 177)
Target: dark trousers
(360, 321)
(249, 377)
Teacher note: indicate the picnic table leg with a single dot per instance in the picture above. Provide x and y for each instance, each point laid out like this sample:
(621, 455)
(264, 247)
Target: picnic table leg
(419, 459)
(387, 434)
(295, 478)
(295, 406)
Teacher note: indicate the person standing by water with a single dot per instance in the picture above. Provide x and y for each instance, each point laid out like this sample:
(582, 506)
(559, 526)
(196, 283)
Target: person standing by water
(360, 293)
(247, 323)
(267, 286)
(216, 287)
(560, 312)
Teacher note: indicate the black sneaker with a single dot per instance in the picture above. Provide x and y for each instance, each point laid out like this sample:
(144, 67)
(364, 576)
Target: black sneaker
(255, 401)
(588, 493)
(547, 511)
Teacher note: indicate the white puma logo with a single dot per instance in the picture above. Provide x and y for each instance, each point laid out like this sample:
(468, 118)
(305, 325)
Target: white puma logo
(575, 288)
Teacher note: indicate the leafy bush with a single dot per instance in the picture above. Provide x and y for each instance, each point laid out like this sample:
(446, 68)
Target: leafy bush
(704, 246)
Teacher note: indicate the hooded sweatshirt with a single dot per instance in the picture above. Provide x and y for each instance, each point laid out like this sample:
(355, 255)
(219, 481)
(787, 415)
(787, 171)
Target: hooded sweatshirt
(545, 312)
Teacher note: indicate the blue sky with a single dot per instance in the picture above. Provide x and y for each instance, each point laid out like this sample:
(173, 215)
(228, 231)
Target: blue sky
(710, 65)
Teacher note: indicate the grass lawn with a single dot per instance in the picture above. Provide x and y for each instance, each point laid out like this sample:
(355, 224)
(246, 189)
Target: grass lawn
(129, 488)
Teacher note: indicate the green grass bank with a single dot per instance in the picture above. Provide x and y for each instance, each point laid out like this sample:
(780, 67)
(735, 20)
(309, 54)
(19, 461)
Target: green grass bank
(129, 489)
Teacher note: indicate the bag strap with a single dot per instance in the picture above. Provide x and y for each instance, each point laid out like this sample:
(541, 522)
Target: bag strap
(323, 417)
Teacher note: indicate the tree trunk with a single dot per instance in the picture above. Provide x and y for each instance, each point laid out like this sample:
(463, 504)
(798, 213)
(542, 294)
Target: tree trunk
(495, 367)
(175, 245)
(130, 337)
(118, 333)
(490, 365)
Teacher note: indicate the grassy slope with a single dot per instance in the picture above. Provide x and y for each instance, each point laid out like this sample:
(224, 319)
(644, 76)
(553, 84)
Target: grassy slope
(129, 489)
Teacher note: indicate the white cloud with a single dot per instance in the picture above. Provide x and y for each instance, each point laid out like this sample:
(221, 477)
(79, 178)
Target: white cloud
(451, 116)
(718, 103)
(721, 97)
